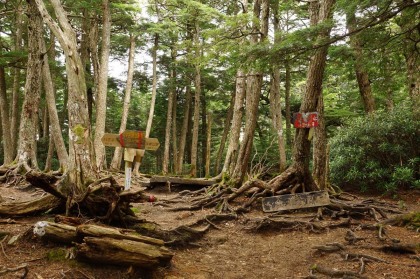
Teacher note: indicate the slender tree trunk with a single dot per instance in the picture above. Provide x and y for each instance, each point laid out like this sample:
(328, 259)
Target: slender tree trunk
(116, 160)
(197, 99)
(80, 170)
(168, 129)
(275, 102)
(50, 154)
(184, 129)
(301, 152)
(362, 75)
(174, 133)
(254, 83)
(203, 131)
(102, 87)
(287, 86)
(14, 118)
(208, 144)
(85, 47)
(26, 156)
(55, 128)
(5, 121)
(227, 126)
(319, 171)
(92, 93)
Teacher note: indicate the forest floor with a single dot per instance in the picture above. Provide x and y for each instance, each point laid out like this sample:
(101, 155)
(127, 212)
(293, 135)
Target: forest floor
(228, 250)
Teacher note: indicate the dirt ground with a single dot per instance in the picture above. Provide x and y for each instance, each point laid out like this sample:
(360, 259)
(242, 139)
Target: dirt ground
(228, 250)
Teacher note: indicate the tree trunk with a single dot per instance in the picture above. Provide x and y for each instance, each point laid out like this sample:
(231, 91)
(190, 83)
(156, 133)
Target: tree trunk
(227, 126)
(102, 87)
(14, 117)
(174, 132)
(116, 160)
(26, 156)
(5, 121)
(80, 156)
(253, 90)
(232, 150)
(55, 128)
(275, 102)
(362, 75)
(287, 86)
(168, 129)
(208, 144)
(301, 152)
(319, 171)
(185, 128)
(197, 97)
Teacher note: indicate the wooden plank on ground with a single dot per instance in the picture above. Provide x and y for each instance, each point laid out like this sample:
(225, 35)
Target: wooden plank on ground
(156, 180)
(295, 201)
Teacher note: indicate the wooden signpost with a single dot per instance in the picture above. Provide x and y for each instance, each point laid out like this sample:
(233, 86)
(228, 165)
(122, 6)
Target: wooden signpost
(295, 201)
(132, 142)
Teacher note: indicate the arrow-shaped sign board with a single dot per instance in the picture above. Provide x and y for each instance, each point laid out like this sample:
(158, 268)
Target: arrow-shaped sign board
(132, 141)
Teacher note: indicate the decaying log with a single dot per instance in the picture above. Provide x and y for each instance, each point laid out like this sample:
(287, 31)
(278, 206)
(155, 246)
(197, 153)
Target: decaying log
(41, 204)
(123, 252)
(101, 231)
(107, 245)
(55, 232)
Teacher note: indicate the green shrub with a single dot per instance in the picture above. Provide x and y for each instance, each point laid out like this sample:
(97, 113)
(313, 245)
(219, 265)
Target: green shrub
(380, 151)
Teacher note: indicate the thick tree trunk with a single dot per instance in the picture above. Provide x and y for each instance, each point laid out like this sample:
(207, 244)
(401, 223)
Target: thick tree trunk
(232, 150)
(80, 170)
(197, 100)
(287, 86)
(5, 121)
(301, 152)
(362, 75)
(102, 87)
(26, 156)
(55, 128)
(116, 160)
(169, 115)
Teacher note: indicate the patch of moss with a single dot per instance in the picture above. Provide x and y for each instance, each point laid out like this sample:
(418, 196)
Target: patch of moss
(79, 133)
(57, 254)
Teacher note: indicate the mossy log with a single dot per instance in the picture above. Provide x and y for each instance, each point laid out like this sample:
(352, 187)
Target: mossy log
(55, 232)
(123, 252)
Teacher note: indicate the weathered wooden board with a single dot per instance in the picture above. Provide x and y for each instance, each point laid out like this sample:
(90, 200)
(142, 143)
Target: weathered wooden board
(156, 180)
(295, 201)
(114, 140)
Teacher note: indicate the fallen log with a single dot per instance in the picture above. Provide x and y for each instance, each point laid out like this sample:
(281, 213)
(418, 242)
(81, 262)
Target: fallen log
(55, 232)
(123, 252)
(29, 207)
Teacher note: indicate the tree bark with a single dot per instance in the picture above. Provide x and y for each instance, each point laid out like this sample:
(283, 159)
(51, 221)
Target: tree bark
(208, 144)
(197, 99)
(80, 170)
(116, 160)
(26, 156)
(55, 128)
(301, 152)
(275, 102)
(102, 87)
(185, 128)
(362, 75)
(319, 171)
(287, 86)
(232, 150)
(227, 126)
(169, 115)
(5, 121)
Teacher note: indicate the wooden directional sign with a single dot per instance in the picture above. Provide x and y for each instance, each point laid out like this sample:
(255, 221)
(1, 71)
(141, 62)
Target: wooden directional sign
(295, 201)
(145, 143)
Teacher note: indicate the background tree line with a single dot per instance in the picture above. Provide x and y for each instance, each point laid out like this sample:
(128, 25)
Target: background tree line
(220, 80)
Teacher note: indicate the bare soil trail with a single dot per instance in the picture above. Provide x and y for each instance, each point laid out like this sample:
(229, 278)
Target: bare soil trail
(230, 248)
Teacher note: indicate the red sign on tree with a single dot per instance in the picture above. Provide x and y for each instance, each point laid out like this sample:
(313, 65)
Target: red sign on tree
(305, 119)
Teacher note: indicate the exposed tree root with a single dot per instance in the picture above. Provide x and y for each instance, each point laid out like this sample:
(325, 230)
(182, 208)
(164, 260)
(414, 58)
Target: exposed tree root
(4, 270)
(333, 273)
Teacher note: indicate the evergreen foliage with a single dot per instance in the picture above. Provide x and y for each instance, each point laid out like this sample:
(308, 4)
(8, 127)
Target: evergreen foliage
(377, 152)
